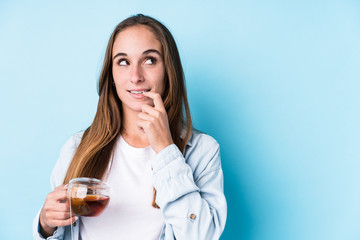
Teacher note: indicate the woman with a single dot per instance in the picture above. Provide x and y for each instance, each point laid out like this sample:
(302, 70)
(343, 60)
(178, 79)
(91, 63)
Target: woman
(165, 177)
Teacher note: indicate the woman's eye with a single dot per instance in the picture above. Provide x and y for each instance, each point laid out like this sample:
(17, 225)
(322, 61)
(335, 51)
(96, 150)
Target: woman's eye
(123, 62)
(150, 61)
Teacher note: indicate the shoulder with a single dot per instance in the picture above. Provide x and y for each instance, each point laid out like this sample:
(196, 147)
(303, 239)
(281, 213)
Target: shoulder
(66, 155)
(202, 153)
(71, 145)
(73, 142)
(199, 138)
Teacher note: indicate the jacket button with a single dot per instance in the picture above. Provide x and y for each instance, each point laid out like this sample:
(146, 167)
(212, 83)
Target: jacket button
(192, 216)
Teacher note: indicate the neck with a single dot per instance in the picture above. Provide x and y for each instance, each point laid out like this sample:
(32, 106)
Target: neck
(132, 134)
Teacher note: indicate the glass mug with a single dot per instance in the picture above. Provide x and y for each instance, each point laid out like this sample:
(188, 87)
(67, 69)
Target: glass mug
(88, 196)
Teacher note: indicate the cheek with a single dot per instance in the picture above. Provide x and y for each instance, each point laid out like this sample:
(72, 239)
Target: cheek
(113, 71)
(118, 83)
(119, 77)
(115, 74)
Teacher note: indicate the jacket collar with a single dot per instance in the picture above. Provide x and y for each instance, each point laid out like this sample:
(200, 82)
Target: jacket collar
(183, 132)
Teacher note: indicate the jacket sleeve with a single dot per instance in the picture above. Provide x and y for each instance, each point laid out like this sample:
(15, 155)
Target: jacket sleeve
(193, 205)
(57, 176)
(58, 234)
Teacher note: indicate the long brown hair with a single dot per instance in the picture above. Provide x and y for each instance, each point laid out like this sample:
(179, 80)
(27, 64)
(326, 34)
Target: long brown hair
(94, 152)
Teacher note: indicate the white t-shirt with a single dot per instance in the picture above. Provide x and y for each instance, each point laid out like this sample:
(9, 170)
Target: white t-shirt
(129, 214)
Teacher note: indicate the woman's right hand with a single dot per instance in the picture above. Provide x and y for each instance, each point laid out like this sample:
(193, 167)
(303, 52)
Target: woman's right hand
(56, 211)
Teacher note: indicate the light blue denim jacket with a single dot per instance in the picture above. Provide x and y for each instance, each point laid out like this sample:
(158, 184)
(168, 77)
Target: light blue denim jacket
(189, 189)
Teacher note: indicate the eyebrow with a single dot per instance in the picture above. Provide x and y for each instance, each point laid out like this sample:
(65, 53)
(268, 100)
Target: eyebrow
(151, 51)
(144, 53)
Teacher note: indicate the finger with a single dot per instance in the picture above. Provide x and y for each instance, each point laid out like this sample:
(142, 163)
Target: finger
(150, 110)
(62, 223)
(158, 103)
(146, 117)
(58, 195)
(59, 215)
(51, 209)
(143, 124)
(59, 207)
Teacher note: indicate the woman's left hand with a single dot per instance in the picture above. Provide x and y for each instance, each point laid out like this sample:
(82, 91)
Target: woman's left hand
(155, 123)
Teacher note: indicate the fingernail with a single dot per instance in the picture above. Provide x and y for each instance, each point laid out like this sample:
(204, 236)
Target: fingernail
(66, 185)
(76, 218)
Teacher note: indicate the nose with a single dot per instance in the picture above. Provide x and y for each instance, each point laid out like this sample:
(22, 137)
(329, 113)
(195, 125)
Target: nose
(136, 74)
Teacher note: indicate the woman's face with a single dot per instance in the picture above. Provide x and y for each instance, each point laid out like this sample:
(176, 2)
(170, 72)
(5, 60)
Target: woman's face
(138, 66)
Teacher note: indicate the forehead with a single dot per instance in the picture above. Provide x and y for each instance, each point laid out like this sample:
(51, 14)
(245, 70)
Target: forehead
(135, 40)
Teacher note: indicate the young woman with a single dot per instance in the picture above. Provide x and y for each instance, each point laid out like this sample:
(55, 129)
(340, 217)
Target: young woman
(165, 177)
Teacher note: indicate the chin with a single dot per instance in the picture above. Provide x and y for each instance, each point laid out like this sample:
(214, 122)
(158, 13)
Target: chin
(137, 106)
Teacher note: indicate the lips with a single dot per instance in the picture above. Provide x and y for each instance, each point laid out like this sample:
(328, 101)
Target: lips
(138, 93)
(142, 91)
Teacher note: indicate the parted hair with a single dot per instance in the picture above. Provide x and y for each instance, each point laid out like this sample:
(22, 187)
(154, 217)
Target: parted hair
(94, 153)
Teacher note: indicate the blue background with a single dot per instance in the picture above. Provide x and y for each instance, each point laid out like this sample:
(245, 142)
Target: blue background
(275, 82)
